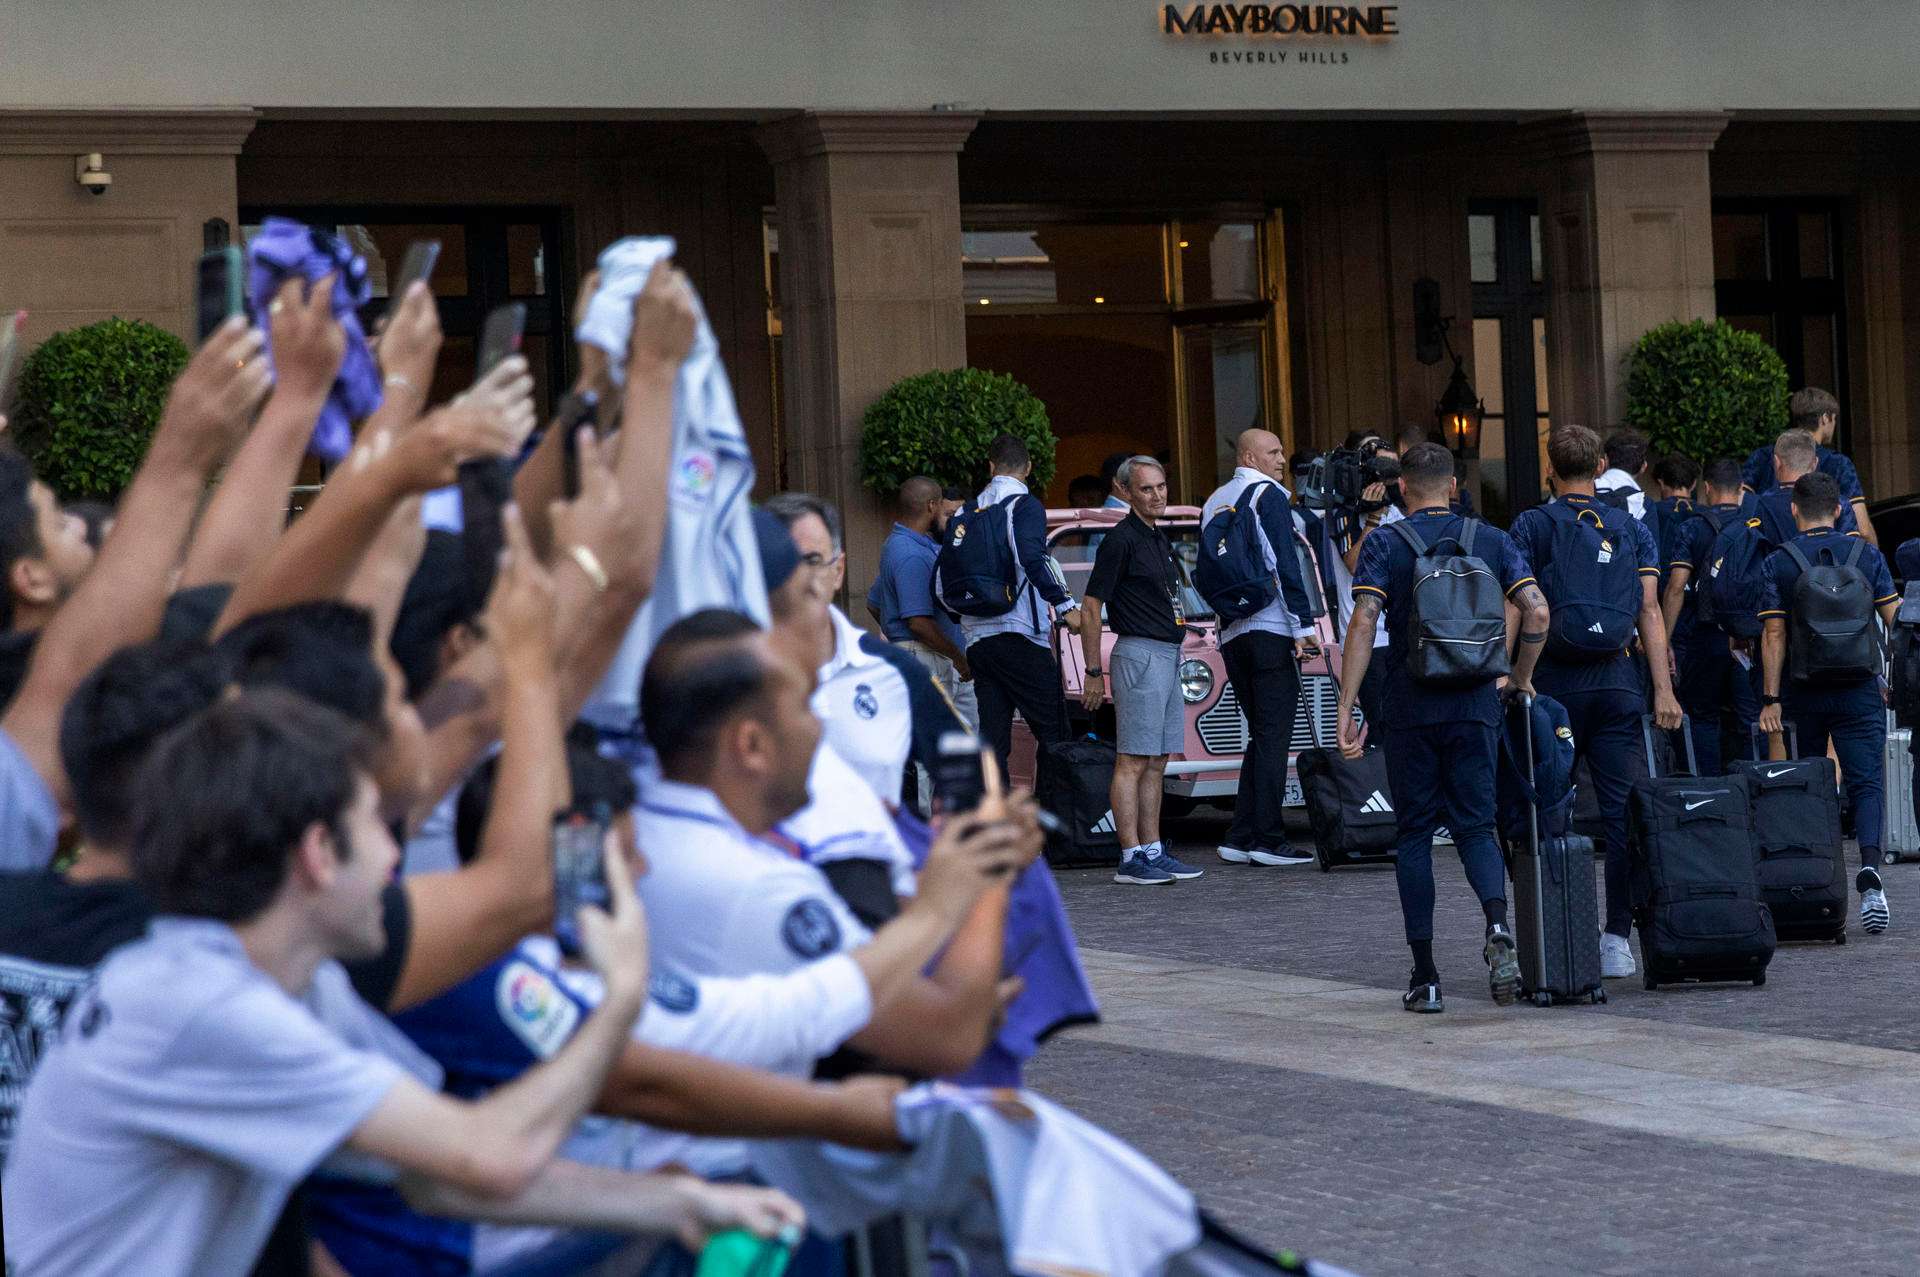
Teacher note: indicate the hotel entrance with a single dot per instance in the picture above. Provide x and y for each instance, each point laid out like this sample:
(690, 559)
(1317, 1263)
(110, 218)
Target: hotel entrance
(1166, 337)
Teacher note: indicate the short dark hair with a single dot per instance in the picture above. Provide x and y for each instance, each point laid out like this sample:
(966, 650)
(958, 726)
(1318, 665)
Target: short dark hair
(19, 532)
(322, 651)
(1111, 466)
(791, 507)
(1676, 470)
(1574, 452)
(917, 492)
(594, 778)
(701, 673)
(1006, 452)
(1816, 495)
(1087, 485)
(1627, 450)
(1725, 474)
(1426, 466)
(1808, 404)
(1411, 437)
(437, 600)
(224, 798)
(130, 701)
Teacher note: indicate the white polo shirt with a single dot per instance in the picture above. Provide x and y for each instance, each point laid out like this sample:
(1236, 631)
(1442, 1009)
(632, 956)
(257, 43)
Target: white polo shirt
(185, 1098)
(721, 902)
(866, 709)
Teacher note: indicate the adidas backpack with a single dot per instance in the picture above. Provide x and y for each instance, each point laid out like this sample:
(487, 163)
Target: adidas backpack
(1231, 572)
(975, 569)
(1830, 636)
(1592, 582)
(1456, 628)
(1736, 578)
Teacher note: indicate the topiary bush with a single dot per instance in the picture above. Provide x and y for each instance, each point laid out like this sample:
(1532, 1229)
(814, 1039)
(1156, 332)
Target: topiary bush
(940, 423)
(89, 401)
(1706, 389)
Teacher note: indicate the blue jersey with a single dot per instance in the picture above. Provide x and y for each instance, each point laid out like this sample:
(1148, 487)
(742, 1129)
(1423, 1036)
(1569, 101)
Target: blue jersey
(1758, 473)
(1533, 531)
(1825, 545)
(1385, 570)
(1775, 508)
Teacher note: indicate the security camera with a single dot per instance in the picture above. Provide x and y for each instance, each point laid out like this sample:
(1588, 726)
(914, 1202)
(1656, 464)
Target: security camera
(90, 171)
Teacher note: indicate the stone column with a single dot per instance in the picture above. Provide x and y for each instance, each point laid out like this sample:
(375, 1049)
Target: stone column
(70, 257)
(1629, 243)
(869, 221)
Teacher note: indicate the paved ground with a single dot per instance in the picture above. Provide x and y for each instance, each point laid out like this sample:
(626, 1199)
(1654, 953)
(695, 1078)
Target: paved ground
(1253, 1043)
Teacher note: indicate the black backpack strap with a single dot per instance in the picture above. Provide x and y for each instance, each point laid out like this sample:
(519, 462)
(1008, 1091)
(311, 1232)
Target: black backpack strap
(1411, 537)
(1800, 560)
(1466, 537)
(1853, 555)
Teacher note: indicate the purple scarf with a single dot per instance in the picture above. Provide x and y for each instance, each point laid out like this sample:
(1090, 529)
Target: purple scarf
(284, 247)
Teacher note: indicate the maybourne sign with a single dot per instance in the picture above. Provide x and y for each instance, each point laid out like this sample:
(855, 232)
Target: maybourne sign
(1281, 21)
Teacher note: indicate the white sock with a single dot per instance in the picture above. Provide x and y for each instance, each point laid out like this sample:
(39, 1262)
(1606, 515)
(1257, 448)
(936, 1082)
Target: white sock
(1155, 848)
(1128, 853)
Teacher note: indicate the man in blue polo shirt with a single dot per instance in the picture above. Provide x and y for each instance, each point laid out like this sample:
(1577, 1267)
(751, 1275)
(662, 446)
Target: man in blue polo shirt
(1817, 413)
(1579, 546)
(1440, 741)
(1849, 711)
(902, 602)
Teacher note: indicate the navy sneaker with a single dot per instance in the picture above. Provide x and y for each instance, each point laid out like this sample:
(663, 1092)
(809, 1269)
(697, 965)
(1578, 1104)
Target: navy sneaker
(1138, 869)
(1423, 996)
(1161, 859)
(1503, 964)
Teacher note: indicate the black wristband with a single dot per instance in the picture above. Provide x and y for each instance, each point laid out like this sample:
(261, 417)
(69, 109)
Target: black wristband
(1095, 672)
(1769, 700)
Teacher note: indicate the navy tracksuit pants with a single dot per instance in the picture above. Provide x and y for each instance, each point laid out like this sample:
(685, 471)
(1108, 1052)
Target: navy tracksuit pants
(1442, 774)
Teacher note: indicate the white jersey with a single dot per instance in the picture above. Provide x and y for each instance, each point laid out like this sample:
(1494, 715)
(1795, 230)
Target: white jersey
(847, 821)
(864, 705)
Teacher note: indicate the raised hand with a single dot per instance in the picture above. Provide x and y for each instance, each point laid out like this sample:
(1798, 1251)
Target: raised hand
(614, 940)
(520, 610)
(213, 400)
(600, 520)
(665, 319)
(410, 342)
(968, 857)
(308, 343)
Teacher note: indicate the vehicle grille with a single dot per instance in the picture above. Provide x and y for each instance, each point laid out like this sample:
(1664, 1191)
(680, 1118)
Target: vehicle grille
(1223, 728)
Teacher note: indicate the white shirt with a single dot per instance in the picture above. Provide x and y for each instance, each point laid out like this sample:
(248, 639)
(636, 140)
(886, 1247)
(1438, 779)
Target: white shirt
(1617, 478)
(863, 703)
(1343, 581)
(721, 902)
(186, 1097)
(1029, 616)
(1275, 617)
(846, 821)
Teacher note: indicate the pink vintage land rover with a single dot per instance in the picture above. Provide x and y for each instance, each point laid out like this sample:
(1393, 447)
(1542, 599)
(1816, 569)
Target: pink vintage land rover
(1208, 769)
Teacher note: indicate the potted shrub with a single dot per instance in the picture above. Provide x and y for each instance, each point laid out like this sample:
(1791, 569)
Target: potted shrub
(940, 423)
(1706, 389)
(89, 401)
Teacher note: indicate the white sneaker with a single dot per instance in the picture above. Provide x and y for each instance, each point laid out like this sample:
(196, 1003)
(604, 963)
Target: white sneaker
(1874, 915)
(1232, 855)
(1616, 957)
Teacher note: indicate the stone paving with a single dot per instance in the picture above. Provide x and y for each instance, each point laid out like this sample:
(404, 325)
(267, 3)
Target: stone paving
(1253, 1043)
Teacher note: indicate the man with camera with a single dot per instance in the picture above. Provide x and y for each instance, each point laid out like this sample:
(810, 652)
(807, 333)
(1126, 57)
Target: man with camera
(1452, 588)
(1379, 505)
(1260, 651)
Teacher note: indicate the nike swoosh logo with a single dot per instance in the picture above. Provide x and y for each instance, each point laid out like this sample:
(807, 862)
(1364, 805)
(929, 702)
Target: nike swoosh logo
(1702, 803)
(1777, 775)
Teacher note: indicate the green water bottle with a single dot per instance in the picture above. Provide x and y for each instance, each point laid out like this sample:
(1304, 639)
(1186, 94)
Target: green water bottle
(739, 1253)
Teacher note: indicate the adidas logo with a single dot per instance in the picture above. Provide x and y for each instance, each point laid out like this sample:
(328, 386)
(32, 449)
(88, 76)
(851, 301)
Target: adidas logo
(1377, 804)
(1596, 628)
(1105, 826)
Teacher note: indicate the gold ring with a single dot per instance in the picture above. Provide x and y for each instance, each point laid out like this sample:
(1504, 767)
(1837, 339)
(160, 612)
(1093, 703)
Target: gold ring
(276, 306)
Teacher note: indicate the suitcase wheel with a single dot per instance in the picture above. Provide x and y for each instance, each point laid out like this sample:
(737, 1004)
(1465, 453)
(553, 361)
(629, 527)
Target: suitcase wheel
(1598, 997)
(1759, 979)
(1543, 999)
(1841, 938)
(1325, 863)
(1651, 984)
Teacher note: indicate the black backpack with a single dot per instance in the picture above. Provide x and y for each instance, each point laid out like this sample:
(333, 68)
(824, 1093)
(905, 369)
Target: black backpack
(1592, 581)
(1904, 677)
(975, 567)
(1231, 570)
(1456, 629)
(1830, 637)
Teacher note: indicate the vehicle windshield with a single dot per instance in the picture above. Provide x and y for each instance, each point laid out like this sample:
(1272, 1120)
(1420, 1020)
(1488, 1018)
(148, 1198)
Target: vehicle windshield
(1073, 549)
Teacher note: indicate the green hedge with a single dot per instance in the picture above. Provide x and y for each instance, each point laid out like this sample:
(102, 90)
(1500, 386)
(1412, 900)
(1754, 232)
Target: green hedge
(89, 401)
(940, 423)
(1706, 389)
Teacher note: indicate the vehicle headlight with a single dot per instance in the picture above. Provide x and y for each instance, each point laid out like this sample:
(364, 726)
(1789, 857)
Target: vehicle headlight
(1196, 680)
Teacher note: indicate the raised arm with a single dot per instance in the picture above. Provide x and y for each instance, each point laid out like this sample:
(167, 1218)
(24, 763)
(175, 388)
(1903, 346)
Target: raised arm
(540, 481)
(497, 1146)
(249, 511)
(122, 598)
(466, 918)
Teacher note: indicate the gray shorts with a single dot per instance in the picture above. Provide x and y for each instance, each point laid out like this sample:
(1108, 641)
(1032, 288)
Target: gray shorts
(1149, 715)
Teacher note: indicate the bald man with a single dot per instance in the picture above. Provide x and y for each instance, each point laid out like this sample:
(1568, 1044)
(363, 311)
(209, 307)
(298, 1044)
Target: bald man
(901, 600)
(1261, 654)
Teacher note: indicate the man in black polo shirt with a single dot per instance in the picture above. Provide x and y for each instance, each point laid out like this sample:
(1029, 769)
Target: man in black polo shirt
(1135, 575)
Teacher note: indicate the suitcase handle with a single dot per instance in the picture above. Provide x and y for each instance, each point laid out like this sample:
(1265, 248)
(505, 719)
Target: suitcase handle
(1685, 729)
(1755, 735)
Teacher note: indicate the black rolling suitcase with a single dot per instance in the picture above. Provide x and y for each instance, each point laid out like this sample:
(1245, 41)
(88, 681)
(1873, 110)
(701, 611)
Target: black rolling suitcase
(1349, 804)
(1556, 921)
(1801, 863)
(1078, 773)
(1697, 894)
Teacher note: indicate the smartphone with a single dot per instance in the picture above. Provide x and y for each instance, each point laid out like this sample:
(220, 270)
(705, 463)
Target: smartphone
(415, 267)
(221, 288)
(579, 870)
(959, 779)
(11, 332)
(486, 485)
(500, 336)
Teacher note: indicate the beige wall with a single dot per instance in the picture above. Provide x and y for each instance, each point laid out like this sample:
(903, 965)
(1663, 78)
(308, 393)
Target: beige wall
(69, 257)
(1004, 55)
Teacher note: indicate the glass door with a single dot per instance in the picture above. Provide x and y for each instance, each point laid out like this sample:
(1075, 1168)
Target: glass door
(1509, 355)
(1776, 270)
